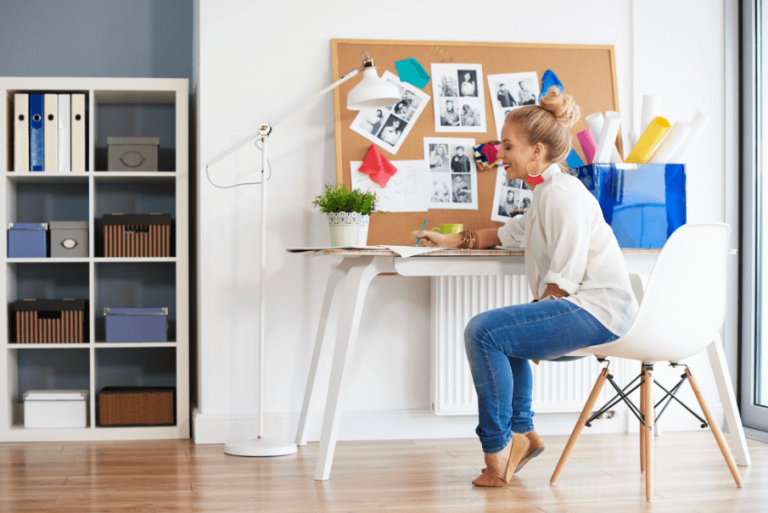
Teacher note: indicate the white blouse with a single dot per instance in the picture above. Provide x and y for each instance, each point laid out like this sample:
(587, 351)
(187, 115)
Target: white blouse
(568, 242)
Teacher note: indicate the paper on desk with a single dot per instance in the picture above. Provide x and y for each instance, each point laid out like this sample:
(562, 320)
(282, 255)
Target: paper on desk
(403, 251)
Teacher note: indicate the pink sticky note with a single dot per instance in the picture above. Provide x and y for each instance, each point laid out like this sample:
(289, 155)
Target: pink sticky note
(588, 144)
(377, 167)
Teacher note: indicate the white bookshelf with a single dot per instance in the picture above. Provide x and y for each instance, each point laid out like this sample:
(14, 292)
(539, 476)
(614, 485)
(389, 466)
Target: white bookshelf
(96, 192)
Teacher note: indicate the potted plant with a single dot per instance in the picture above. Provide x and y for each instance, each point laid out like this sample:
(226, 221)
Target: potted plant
(348, 214)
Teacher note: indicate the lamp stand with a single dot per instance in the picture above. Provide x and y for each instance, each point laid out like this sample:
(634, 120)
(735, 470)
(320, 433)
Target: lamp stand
(262, 446)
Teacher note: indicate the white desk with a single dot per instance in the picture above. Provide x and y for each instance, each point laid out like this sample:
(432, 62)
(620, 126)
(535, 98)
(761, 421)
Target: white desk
(343, 306)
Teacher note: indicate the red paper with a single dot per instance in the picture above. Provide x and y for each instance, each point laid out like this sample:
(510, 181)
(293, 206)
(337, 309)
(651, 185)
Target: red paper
(377, 167)
(490, 151)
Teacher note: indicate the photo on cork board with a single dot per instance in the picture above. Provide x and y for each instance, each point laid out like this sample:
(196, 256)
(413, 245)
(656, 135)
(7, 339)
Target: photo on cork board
(388, 127)
(452, 173)
(510, 198)
(510, 91)
(459, 98)
(406, 191)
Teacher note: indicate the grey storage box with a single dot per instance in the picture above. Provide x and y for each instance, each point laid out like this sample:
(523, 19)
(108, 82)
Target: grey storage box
(132, 153)
(69, 239)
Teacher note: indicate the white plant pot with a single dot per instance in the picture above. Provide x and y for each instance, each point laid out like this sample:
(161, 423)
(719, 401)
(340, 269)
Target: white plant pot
(348, 228)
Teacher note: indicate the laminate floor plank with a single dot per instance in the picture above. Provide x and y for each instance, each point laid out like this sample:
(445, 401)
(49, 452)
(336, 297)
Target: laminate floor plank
(163, 476)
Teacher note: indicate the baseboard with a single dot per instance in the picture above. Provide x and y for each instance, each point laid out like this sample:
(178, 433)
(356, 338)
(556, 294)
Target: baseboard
(218, 428)
(755, 434)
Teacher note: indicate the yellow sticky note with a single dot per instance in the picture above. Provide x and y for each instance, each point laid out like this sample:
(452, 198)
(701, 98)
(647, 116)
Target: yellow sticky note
(651, 138)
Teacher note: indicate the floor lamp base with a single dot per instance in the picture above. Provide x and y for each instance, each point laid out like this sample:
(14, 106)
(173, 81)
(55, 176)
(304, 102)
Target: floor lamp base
(260, 447)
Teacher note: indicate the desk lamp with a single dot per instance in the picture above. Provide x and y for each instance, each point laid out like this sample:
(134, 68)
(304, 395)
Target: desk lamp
(372, 92)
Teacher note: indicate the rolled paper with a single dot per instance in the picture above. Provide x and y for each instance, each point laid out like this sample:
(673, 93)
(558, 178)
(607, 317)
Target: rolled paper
(595, 123)
(648, 141)
(608, 137)
(651, 109)
(549, 79)
(669, 145)
(588, 145)
(695, 127)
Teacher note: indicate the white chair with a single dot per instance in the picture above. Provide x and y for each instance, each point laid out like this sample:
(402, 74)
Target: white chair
(682, 309)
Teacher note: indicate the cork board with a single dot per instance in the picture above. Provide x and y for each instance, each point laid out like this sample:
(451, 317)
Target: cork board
(588, 73)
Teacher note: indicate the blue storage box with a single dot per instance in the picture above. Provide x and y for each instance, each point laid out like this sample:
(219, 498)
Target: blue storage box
(643, 203)
(137, 324)
(27, 240)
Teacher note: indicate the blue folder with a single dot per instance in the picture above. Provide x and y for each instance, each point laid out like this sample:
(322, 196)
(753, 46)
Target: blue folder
(36, 134)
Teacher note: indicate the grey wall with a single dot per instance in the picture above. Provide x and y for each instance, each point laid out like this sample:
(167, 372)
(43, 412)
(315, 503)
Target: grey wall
(96, 38)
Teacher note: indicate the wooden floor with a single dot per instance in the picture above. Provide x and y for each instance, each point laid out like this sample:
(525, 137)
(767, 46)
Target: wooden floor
(410, 475)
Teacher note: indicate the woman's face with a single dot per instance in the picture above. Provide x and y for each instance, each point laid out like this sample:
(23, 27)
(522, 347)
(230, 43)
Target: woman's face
(449, 105)
(467, 76)
(396, 124)
(515, 152)
(440, 150)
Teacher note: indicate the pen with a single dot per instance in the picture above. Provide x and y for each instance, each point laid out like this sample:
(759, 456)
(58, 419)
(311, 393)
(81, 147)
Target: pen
(422, 229)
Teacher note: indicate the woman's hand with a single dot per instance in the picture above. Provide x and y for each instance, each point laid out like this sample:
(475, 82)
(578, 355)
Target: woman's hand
(554, 290)
(437, 240)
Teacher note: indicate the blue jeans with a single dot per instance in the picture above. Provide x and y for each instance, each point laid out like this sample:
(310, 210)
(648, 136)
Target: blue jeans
(499, 344)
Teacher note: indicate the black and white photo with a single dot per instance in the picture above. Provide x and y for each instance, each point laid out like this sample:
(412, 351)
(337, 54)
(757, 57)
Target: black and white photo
(461, 187)
(441, 190)
(459, 98)
(511, 197)
(460, 159)
(388, 127)
(453, 172)
(468, 82)
(438, 158)
(510, 91)
(392, 130)
(449, 113)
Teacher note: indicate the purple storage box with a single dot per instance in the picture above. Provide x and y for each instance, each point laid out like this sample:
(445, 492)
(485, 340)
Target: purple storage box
(137, 324)
(27, 240)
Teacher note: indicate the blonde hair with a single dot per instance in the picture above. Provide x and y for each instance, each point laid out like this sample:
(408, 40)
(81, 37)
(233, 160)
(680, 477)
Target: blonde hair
(549, 123)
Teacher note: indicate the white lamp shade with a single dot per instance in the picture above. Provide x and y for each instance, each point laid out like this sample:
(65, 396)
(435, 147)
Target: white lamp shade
(372, 92)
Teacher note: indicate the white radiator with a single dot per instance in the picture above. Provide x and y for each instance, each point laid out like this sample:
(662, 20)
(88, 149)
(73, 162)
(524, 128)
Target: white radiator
(557, 387)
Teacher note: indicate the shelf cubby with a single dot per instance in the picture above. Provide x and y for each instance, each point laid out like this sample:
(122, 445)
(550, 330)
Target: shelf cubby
(53, 369)
(136, 114)
(135, 285)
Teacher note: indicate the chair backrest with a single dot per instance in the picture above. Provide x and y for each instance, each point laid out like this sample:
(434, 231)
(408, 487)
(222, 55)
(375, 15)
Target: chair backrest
(684, 301)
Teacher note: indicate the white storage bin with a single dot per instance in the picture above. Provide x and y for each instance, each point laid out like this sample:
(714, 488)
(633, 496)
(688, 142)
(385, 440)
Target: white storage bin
(55, 408)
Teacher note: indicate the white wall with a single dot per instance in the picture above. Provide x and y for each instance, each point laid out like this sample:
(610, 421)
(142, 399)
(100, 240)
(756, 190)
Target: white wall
(257, 59)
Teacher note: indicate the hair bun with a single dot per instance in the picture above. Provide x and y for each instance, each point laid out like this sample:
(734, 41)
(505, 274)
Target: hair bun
(562, 106)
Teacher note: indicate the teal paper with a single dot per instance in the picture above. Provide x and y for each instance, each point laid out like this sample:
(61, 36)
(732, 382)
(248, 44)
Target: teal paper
(409, 70)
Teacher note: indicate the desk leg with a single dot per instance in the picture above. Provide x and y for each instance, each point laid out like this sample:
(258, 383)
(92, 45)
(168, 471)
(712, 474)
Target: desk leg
(728, 398)
(329, 321)
(355, 288)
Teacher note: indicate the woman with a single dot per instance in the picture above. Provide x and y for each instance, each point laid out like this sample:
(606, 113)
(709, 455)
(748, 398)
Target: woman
(571, 258)
(372, 123)
(450, 117)
(469, 117)
(468, 86)
(391, 134)
(438, 157)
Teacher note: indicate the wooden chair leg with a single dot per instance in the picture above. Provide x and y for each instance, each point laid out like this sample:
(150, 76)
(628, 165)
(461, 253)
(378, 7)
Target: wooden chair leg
(642, 427)
(649, 421)
(585, 414)
(721, 442)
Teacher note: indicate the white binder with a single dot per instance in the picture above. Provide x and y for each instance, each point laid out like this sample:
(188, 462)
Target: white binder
(77, 128)
(51, 131)
(65, 144)
(21, 132)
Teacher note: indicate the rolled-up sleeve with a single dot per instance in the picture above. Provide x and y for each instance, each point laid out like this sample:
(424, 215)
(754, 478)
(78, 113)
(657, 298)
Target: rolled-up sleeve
(567, 229)
(513, 232)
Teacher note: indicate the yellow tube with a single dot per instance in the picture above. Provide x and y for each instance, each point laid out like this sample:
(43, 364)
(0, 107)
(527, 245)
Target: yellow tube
(657, 129)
